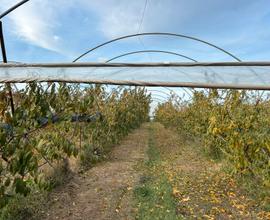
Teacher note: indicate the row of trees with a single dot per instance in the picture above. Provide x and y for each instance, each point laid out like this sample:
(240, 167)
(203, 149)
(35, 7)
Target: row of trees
(231, 124)
(55, 121)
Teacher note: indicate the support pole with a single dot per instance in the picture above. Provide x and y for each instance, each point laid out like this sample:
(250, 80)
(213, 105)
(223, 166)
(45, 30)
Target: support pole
(4, 56)
(13, 8)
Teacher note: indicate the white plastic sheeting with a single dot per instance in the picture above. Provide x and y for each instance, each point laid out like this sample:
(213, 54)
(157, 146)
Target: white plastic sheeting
(238, 75)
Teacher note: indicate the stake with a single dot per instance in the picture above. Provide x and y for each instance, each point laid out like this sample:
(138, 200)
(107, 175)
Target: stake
(4, 55)
(80, 137)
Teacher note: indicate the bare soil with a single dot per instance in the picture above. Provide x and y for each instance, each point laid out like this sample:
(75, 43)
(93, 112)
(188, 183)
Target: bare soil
(105, 191)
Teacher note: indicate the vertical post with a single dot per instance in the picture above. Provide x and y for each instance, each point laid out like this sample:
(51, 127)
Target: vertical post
(80, 137)
(4, 55)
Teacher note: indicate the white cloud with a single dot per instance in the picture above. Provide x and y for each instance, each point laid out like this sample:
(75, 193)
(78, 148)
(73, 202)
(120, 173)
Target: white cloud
(116, 17)
(56, 38)
(122, 17)
(225, 23)
(36, 23)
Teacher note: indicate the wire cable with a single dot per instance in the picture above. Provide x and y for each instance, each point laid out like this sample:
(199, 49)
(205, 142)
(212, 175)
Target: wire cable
(142, 18)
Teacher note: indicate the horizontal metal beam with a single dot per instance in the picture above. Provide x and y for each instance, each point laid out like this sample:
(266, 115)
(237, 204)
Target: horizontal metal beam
(152, 64)
(145, 83)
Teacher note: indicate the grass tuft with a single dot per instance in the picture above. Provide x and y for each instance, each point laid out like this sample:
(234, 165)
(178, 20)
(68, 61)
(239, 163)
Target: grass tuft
(153, 195)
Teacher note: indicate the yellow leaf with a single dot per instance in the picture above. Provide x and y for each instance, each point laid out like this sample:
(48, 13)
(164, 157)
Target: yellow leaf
(185, 199)
(175, 191)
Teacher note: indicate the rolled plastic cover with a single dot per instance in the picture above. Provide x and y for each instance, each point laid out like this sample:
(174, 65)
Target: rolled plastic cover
(234, 75)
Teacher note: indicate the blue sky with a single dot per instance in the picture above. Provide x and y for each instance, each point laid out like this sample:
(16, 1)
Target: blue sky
(60, 30)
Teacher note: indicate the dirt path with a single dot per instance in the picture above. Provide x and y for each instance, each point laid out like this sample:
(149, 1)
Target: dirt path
(105, 191)
(197, 187)
(201, 188)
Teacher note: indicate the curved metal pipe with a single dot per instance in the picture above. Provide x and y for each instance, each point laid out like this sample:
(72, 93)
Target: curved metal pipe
(157, 100)
(157, 33)
(151, 51)
(183, 88)
(162, 92)
(156, 51)
(13, 8)
(159, 96)
(173, 92)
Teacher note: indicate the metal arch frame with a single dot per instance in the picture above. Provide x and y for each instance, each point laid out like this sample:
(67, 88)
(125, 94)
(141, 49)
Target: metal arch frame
(156, 33)
(168, 89)
(13, 8)
(164, 98)
(190, 89)
(162, 34)
(158, 100)
(151, 51)
(159, 91)
(172, 91)
(165, 93)
(185, 90)
(156, 51)
(160, 96)
(159, 34)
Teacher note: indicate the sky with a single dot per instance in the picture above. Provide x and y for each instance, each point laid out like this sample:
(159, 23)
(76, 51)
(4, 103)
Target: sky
(60, 30)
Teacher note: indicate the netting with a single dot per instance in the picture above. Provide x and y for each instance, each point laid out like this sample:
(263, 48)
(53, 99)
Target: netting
(239, 75)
